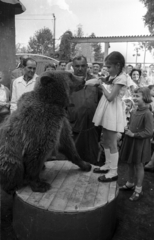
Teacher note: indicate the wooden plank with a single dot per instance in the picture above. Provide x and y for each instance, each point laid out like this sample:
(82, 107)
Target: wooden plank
(78, 192)
(64, 192)
(34, 198)
(51, 171)
(102, 194)
(54, 170)
(72, 190)
(48, 197)
(57, 182)
(24, 193)
(88, 200)
(112, 191)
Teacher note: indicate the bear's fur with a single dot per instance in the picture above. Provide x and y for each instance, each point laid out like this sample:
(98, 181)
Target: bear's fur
(35, 129)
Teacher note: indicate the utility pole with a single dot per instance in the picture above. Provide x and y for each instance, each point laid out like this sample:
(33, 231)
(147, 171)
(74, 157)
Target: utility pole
(145, 50)
(54, 32)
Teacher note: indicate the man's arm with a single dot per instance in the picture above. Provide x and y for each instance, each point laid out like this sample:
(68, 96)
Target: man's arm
(13, 106)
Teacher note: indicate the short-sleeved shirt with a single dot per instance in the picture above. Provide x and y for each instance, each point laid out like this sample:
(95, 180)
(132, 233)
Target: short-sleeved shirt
(111, 115)
(20, 86)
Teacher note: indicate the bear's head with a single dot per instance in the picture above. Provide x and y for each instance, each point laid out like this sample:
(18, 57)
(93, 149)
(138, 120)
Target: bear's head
(56, 86)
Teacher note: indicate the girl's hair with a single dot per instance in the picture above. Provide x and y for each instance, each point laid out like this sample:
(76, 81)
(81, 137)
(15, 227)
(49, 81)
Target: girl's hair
(151, 86)
(145, 94)
(115, 58)
(135, 70)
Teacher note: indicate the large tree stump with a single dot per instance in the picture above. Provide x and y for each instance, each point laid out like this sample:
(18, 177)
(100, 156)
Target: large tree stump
(77, 207)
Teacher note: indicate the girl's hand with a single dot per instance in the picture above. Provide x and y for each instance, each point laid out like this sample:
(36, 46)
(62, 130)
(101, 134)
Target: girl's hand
(7, 105)
(129, 133)
(126, 128)
(2, 103)
(92, 82)
(102, 79)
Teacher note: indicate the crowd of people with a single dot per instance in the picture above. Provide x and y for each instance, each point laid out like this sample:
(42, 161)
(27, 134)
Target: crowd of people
(111, 116)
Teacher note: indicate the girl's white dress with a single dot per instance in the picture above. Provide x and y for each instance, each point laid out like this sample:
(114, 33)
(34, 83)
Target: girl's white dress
(111, 115)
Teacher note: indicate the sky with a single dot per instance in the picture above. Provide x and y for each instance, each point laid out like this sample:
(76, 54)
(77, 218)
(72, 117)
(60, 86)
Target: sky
(103, 17)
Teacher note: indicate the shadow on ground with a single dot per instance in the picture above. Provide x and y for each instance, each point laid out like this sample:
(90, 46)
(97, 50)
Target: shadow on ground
(135, 220)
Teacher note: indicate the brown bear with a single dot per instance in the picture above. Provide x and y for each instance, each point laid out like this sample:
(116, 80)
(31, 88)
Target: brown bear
(35, 129)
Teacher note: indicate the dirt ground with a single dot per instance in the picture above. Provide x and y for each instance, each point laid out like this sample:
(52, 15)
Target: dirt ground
(135, 220)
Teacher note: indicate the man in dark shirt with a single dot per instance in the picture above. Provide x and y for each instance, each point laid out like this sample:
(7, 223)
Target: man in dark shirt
(81, 112)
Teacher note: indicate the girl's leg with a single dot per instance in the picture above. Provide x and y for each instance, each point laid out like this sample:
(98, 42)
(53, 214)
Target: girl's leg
(110, 139)
(140, 176)
(131, 174)
(129, 185)
(105, 144)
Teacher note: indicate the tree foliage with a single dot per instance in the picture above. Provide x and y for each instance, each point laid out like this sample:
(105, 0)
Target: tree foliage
(67, 49)
(21, 49)
(149, 16)
(79, 33)
(98, 54)
(65, 46)
(149, 21)
(42, 42)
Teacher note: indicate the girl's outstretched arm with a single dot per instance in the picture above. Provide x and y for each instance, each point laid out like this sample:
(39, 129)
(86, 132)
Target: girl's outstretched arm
(111, 95)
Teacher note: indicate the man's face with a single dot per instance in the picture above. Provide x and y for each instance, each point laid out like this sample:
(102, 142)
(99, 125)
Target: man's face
(80, 67)
(138, 65)
(129, 69)
(144, 73)
(96, 68)
(62, 66)
(30, 69)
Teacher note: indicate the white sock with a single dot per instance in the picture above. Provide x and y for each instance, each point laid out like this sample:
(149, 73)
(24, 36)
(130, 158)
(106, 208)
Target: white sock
(128, 184)
(106, 166)
(114, 157)
(150, 164)
(138, 189)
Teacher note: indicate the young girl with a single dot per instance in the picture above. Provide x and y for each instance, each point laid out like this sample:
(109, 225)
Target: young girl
(136, 148)
(110, 114)
(150, 165)
(151, 87)
(128, 107)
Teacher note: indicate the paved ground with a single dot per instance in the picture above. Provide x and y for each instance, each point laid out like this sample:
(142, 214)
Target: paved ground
(135, 220)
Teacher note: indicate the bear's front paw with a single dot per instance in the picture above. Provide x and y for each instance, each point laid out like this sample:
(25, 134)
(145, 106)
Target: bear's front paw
(85, 166)
(40, 186)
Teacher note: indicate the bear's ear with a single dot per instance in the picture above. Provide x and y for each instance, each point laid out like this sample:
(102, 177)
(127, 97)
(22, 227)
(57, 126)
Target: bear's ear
(45, 80)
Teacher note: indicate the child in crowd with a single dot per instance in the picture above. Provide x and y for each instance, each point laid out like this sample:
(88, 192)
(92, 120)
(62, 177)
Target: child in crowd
(150, 165)
(4, 100)
(129, 105)
(136, 147)
(151, 87)
(110, 114)
(128, 108)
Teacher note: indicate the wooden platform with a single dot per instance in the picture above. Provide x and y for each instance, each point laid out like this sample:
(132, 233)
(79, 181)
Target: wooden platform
(77, 207)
